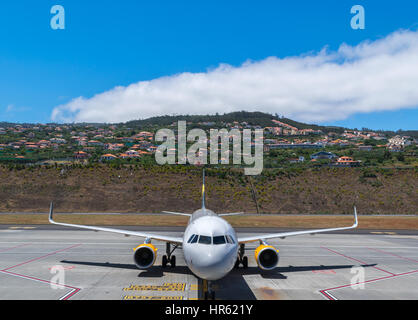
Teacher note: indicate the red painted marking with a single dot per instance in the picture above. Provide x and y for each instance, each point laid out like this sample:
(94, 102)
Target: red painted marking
(65, 297)
(324, 271)
(74, 289)
(351, 258)
(392, 275)
(393, 254)
(367, 281)
(19, 246)
(326, 294)
(49, 254)
(68, 296)
(64, 268)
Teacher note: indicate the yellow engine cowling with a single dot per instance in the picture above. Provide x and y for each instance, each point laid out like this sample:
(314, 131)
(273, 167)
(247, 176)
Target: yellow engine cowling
(145, 255)
(267, 256)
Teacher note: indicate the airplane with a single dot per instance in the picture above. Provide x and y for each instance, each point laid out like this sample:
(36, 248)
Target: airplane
(210, 244)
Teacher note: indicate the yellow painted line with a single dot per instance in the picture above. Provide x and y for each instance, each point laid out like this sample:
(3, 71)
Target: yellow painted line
(194, 287)
(19, 228)
(165, 287)
(383, 232)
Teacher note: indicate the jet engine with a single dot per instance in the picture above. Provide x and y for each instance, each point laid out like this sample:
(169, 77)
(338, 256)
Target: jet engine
(267, 256)
(145, 255)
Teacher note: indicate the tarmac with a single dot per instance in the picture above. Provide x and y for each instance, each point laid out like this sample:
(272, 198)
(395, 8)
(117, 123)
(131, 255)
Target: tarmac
(50, 263)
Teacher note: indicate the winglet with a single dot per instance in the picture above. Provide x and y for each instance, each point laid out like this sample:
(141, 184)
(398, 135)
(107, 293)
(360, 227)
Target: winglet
(51, 212)
(355, 218)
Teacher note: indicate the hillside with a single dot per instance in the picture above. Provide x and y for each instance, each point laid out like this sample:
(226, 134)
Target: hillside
(252, 118)
(102, 188)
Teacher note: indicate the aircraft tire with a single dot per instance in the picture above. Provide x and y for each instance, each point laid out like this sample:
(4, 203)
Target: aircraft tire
(245, 262)
(164, 262)
(173, 262)
(236, 266)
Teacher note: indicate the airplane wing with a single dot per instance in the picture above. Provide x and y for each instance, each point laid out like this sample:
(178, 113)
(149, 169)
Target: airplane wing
(125, 232)
(179, 213)
(295, 233)
(230, 214)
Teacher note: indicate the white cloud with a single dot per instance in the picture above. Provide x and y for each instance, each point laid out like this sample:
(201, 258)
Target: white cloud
(329, 85)
(9, 108)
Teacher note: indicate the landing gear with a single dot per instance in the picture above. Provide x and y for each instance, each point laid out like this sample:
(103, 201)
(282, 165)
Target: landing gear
(173, 262)
(241, 260)
(245, 262)
(169, 258)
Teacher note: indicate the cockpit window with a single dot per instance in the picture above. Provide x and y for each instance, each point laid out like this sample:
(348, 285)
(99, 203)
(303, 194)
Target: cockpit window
(230, 239)
(219, 240)
(194, 240)
(205, 240)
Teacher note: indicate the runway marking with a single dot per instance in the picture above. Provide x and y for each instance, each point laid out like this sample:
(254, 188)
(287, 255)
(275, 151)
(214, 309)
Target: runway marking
(64, 268)
(383, 232)
(193, 287)
(19, 246)
(164, 287)
(324, 271)
(73, 291)
(400, 236)
(24, 228)
(354, 259)
(329, 296)
(49, 254)
(326, 293)
(393, 254)
(153, 298)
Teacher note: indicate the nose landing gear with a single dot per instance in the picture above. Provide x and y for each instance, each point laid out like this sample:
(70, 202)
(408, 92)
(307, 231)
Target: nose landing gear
(241, 260)
(169, 258)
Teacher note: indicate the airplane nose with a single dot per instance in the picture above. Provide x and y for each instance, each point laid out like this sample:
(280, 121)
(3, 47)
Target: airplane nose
(214, 264)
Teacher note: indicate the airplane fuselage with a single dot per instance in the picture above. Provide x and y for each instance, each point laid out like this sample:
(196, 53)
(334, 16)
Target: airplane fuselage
(210, 245)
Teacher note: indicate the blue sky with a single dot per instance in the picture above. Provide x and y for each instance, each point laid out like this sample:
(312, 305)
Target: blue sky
(108, 43)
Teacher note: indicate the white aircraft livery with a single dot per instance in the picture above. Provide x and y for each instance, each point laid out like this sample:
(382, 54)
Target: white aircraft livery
(210, 245)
